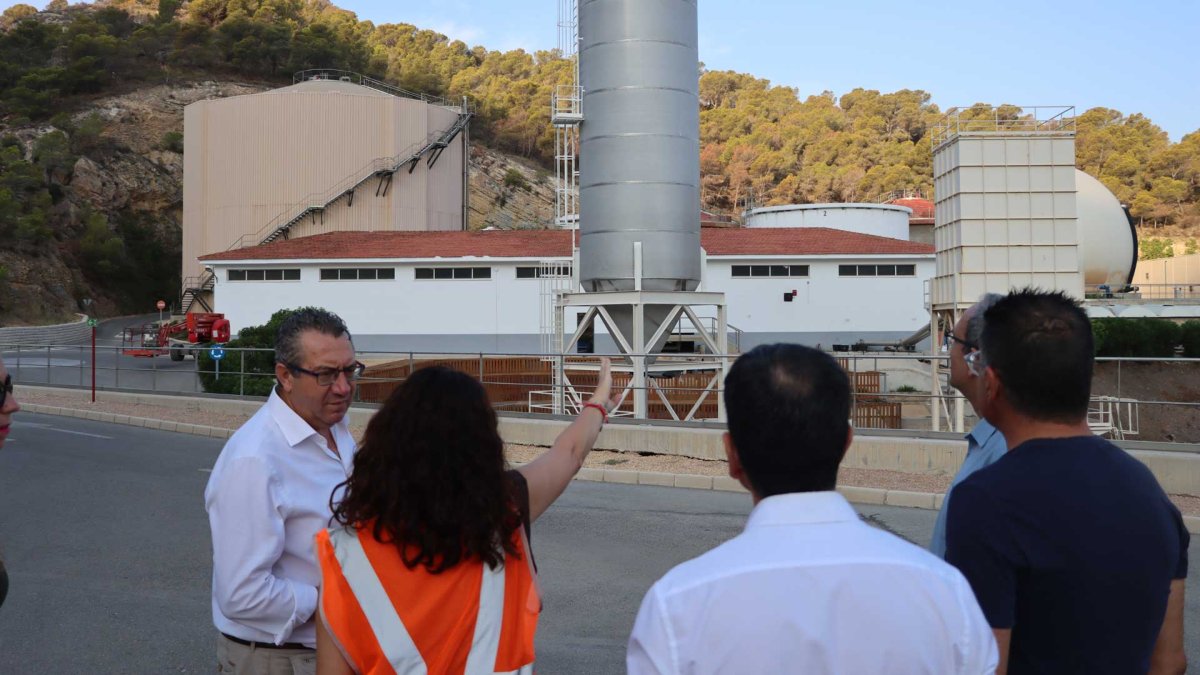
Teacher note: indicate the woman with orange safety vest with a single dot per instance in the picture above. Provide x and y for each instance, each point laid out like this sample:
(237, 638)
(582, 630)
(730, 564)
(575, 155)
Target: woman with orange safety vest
(427, 569)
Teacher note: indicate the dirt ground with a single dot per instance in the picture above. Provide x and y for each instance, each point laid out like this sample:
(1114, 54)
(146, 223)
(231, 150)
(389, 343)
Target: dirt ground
(1177, 382)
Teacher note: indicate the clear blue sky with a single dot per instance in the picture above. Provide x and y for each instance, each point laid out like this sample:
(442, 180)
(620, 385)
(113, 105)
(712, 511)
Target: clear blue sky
(1132, 56)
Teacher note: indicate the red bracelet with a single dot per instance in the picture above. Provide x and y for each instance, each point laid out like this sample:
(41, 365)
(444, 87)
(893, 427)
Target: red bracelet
(597, 406)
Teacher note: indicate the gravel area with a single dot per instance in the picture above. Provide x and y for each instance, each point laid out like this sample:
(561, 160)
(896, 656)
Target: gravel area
(600, 459)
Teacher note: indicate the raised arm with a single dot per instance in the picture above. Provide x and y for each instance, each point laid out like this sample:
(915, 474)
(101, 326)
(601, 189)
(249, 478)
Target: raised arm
(549, 474)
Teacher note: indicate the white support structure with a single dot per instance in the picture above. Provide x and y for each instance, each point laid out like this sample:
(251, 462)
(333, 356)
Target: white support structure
(566, 112)
(646, 368)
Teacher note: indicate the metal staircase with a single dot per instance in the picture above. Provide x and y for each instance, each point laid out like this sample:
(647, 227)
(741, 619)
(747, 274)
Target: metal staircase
(382, 170)
(194, 290)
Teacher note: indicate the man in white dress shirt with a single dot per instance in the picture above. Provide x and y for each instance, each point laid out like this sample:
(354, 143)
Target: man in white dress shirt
(269, 495)
(807, 587)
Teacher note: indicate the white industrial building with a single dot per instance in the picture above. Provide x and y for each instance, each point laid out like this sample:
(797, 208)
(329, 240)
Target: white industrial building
(492, 291)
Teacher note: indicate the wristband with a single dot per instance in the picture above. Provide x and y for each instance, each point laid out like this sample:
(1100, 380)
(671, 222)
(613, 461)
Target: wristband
(597, 406)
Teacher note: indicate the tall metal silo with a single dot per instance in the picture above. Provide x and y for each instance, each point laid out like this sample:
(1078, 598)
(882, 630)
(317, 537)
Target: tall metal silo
(640, 144)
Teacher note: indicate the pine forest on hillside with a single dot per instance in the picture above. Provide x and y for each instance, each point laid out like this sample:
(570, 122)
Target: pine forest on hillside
(758, 141)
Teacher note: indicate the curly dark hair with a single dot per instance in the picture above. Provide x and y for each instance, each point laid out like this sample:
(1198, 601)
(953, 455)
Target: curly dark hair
(430, 475)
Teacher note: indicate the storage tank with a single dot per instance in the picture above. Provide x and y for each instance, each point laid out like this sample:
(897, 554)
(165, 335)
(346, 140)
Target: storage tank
(1107, 236)
(881, 220)
(639, 144)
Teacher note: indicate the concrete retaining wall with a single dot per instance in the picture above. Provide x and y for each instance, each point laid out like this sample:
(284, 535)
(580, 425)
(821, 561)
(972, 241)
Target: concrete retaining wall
(1178, 471)
(74, 333)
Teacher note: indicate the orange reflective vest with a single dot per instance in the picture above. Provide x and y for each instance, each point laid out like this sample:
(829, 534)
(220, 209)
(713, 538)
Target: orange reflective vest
(387, 618)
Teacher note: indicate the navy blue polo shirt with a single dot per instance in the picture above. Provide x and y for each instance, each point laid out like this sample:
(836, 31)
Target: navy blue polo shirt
(1072, 544)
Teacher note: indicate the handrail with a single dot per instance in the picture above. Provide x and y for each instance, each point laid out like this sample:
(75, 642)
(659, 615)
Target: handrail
(321, 200)
(333, 74)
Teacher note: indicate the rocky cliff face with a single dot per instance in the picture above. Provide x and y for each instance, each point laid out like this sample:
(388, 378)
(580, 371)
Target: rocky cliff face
(133, 172)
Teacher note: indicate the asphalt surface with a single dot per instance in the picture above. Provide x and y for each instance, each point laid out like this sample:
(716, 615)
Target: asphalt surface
(71, 365)
(103, 530)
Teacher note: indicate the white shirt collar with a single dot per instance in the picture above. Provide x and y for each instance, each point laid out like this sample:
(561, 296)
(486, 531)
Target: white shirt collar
(295, 429)
(796, 508)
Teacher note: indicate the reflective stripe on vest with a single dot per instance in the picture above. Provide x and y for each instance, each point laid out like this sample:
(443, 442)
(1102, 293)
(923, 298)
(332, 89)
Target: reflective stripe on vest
(397, 645)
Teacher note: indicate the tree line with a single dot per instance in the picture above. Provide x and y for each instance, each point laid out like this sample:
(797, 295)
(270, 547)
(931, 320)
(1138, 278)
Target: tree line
(760, 143)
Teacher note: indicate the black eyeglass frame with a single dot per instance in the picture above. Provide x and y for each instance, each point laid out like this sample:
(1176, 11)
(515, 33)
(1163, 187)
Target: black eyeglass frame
(967, 344)
(352, 373)
(6, 389)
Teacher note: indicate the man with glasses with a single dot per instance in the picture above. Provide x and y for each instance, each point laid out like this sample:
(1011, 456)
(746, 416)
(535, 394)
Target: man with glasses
(985, 444)
(269, 494)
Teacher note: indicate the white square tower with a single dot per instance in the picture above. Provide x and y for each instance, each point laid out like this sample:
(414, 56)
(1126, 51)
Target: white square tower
(1004, 209)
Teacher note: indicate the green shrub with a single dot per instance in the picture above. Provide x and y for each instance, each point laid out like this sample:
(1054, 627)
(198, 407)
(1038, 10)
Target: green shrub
(259, 370)
(513, 178)
(173, 141)
(1189, 335)
(1135, 337)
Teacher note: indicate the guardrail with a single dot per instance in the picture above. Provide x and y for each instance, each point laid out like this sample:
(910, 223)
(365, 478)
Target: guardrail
(1133, 398)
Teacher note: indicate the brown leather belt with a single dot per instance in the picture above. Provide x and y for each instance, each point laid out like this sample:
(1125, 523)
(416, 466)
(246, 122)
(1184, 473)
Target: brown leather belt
(265, 645)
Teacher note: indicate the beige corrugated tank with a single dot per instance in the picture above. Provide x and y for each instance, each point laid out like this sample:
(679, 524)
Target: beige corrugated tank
(250, 159)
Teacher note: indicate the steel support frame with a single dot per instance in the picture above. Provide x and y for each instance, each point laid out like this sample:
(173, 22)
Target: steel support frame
(635, 359)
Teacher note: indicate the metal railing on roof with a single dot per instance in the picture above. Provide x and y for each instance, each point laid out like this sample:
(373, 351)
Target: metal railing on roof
(332, 74)
(1004, 119)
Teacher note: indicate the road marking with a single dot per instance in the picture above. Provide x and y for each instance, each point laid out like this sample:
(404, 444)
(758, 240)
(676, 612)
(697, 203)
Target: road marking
(51, 427)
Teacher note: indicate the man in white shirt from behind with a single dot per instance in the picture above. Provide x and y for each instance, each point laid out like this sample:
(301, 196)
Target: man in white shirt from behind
(269, 494)
(807, 587)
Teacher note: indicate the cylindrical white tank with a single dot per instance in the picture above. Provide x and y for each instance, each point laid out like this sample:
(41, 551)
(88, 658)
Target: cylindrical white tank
(639, 144)
(883, 220)
(1107, 240)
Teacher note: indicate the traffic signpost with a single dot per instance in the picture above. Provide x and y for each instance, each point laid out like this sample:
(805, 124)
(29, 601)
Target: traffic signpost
(217, 353)
(92, 325)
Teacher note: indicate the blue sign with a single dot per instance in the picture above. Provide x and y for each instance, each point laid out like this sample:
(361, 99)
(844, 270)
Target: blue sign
(217, 353)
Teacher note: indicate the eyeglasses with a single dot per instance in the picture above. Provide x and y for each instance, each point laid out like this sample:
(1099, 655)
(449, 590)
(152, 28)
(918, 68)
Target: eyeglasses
(327, 376)
(5, 390)
(965, 343)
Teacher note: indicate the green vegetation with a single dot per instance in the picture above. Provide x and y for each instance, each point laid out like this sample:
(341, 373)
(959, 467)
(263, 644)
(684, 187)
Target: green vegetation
(1152, 248)
(513, 178)
(1190, 337)
(259, 365)
(758, 140)
(1137, 337)
(173, 141)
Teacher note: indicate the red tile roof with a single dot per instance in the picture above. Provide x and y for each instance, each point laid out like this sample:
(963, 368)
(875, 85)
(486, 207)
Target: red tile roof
(557, 243)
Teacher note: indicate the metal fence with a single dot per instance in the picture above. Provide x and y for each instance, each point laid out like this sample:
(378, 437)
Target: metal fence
(1133, 398)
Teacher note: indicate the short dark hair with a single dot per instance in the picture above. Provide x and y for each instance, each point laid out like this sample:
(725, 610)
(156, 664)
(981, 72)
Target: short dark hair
(1040, 345)
(287, 338)
(788, 409)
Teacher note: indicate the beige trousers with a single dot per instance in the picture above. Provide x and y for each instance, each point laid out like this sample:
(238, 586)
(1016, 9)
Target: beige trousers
(240, 659)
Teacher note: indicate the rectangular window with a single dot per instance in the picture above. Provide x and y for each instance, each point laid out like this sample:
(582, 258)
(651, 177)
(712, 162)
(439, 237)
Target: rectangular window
(906, 270)
(847, 270)
(877, 270)
(449, 272)
(866, 270)
(357, 273)
(291, 274)
(769, 270)
(886, 270)
(538, 272)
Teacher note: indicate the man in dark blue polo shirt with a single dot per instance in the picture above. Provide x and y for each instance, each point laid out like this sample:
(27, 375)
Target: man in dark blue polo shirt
(1074, 552)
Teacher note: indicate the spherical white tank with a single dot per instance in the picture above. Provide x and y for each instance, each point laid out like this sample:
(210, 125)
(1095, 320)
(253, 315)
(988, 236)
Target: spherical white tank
(881, 220)
(1107, 240)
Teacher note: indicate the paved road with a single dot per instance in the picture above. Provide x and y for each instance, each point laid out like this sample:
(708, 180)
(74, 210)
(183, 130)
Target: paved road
(106, 540)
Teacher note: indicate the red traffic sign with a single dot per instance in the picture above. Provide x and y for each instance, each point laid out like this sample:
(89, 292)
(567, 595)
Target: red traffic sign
(161, 305)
